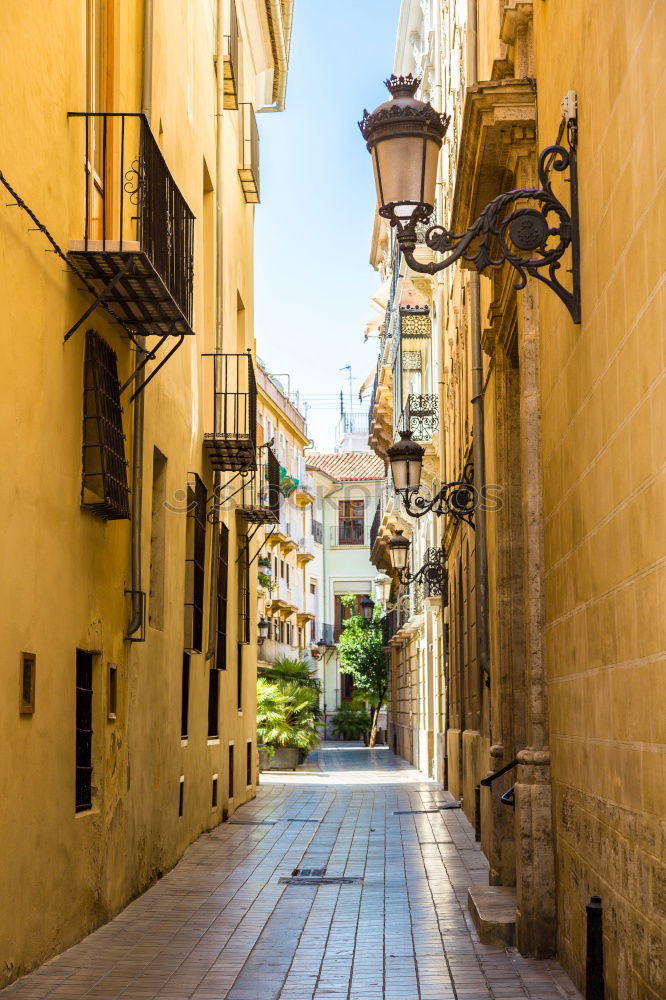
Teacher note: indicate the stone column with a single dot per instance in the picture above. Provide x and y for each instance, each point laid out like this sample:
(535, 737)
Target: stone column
(536, 929)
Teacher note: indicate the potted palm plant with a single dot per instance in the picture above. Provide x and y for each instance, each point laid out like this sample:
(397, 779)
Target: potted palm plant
(287, 713)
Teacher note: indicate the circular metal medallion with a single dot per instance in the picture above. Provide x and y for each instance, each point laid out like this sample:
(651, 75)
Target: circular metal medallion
(528, 230)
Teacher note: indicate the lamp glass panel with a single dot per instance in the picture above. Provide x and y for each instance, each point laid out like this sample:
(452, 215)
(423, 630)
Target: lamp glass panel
(406, 473)
(399, 556)
(399, 164)
(382, 588)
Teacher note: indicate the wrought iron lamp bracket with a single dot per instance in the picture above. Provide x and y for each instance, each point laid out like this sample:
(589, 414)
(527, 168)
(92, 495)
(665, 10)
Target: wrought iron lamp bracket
(433, 574)
(457, 499)
(532, 239)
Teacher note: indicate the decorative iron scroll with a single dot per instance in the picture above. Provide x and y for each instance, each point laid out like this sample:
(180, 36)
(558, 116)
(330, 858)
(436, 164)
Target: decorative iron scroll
(532, 239)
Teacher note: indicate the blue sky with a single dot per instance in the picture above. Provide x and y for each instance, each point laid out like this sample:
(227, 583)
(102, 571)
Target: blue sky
(314, 223)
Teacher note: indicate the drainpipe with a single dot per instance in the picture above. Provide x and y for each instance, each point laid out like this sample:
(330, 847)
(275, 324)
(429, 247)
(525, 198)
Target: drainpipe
(480, 537)
(219, 305)
(136, 622)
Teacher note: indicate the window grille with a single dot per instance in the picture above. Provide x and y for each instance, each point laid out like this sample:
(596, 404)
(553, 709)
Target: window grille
(243, 563)
(222, 580)
(231, 770)
(213, 704)
(27, 683)
(239, 678)
(104, 489)
(185, 698)
(248, 763)
(84, 730)
(194, 564)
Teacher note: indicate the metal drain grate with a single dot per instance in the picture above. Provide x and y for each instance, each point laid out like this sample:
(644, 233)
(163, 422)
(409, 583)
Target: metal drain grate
(450, 805)
(322, 880)
(413, 812)
(297, 819)
(308, 872)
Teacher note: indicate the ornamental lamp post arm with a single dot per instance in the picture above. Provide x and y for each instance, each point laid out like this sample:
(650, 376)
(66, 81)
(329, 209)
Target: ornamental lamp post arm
(404, 137)
(524, 237)
(433, 574)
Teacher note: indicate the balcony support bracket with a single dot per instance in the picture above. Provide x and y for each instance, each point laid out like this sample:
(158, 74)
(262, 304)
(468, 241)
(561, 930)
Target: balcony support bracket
(99, 299)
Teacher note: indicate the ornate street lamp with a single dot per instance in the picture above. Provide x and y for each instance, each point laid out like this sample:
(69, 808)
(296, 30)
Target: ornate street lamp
(404, 136)
(382, 588)
(433, 574)
(367, 608)
(457, 498)
(264, 628)
(398, 547)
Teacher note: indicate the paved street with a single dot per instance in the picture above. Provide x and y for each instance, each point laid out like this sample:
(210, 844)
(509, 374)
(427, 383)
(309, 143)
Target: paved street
(223, 925)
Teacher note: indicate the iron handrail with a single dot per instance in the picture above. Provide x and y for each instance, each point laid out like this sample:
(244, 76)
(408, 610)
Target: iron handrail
(498, 774)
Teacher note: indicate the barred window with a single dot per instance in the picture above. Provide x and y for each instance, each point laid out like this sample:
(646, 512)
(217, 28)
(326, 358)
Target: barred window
(213, 704)
(84, 730)
(194, 564)
(222, 582)
(104, 489)
(243, 563)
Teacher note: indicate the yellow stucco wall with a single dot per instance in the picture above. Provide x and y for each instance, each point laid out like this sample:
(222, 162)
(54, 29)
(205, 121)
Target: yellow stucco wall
(64, 570)
(604, 427)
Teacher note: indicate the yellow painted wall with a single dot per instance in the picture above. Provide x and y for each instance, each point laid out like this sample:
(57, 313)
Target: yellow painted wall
(64, 570)
(604, 428)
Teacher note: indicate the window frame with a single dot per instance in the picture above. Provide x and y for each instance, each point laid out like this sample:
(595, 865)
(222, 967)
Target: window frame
(349, 520)
(27, 704)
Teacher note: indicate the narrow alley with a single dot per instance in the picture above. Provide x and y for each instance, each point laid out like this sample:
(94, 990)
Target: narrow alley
(232, 920)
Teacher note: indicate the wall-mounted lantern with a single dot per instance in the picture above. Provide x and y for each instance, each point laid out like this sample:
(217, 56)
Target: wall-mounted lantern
(404, 136)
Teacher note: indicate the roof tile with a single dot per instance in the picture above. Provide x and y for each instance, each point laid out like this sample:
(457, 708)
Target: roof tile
(348, 466)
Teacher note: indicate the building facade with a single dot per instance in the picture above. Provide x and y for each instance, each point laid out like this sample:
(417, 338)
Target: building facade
(285, 588)
(347, 487)
(551, 643)
(130, 373)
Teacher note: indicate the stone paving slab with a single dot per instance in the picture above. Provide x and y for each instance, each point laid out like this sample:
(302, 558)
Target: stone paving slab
(220, 926)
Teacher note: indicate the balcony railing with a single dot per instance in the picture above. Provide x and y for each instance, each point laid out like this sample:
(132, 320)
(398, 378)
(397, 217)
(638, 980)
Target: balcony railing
(372, 402)
(259, 494)
(306, 549)
(347, 533)
(248, 170)
(232, 444)
(376, 522)
(137, 249)
(420, 416)
(305, 492)
(288, 594)
(231, 65)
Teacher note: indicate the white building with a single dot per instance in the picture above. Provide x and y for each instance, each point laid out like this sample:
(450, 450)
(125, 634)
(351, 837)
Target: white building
(347, 490)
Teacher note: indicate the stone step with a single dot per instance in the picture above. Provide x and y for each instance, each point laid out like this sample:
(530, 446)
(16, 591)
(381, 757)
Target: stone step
(493, 909)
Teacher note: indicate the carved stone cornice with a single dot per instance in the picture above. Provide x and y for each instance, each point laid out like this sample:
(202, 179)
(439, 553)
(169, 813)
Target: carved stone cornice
(499, 127)
(517, 15)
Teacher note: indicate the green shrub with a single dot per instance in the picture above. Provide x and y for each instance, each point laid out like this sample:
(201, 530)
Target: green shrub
(350, 723)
